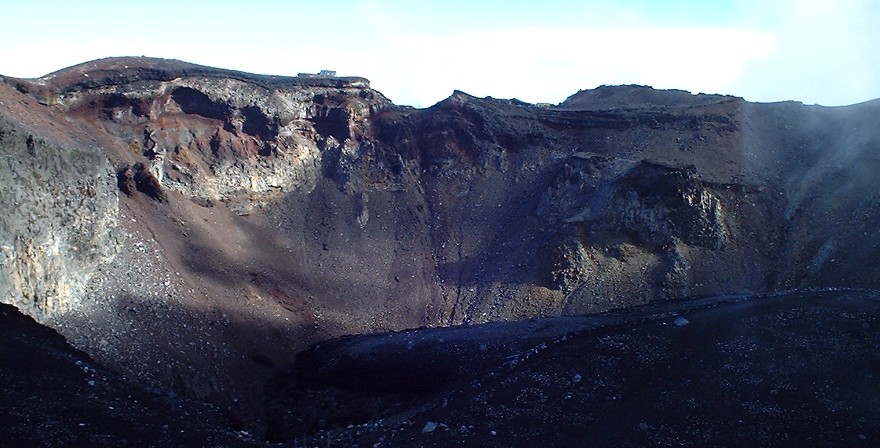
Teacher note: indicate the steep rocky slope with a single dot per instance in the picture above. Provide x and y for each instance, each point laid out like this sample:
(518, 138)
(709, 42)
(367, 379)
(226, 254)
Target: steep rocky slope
(193, 227)
(60, 213)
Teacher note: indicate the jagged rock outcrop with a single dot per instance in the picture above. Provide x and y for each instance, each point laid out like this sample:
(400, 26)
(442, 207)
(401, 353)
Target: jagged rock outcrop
(60, 214)
(241, 140)
(259, 214)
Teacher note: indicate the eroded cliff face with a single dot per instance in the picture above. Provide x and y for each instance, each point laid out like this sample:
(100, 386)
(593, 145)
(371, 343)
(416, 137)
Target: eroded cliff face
(220, 139)
(219, 221)
(60, 213)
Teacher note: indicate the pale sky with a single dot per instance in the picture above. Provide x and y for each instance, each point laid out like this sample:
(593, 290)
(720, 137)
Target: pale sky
(418, 52)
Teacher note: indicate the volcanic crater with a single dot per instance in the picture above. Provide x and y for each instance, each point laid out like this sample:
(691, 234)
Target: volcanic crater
(195, 232)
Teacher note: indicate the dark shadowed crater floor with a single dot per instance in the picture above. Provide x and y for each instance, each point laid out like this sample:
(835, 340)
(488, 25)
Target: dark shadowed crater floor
(53, 395)
(799, 369)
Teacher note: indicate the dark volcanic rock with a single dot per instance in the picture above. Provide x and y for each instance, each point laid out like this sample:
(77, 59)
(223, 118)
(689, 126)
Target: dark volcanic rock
(138, 177)
(125, 180)
(146, 183)
(744, 371)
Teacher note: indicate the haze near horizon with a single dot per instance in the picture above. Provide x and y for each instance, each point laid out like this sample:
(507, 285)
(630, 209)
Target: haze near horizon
(812, 51)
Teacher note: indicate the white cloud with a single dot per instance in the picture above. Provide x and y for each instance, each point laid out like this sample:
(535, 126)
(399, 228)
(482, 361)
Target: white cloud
(533, 64)
(808, 50)
(548, 64)
(827, 53)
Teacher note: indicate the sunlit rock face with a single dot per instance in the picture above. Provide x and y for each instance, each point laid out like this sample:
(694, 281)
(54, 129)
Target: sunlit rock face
(221, 139)
(60, 213)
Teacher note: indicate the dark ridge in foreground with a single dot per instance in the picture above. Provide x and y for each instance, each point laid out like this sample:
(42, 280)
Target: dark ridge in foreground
(54, 395)
(793, 370)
